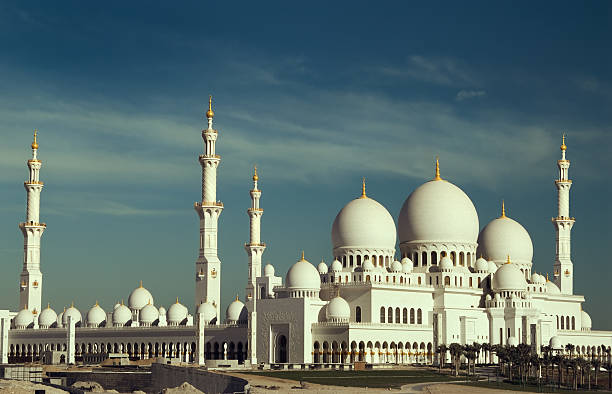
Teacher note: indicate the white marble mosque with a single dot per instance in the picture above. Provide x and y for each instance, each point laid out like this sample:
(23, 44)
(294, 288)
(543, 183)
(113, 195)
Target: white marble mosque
(450, 281)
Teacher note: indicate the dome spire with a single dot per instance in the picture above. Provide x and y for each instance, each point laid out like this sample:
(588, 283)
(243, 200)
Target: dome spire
(34, 143)
(255, 176)
(503, 214)
(563, 146)
(363, 191)
(210, 114)
(508, 260)
(437, 177)
(302, 259)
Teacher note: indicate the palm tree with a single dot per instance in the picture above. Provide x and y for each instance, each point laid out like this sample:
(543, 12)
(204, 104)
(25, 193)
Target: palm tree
(560, 362)
(570, 349)
(596, 363)
(486, 348)
(456, 350)
(477, 349)
(587, 365)
(608, 367)
(441, 350)
(546, 359)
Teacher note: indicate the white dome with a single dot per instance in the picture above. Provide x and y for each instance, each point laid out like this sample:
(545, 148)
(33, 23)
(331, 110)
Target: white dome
(367, 265)
(396, 266)
(509, 278)
(47, 317)
(438, 211)
(407, 265)
(586, 321)
(121, 316)
(492, 267)
(269, 270)
(538, 279)
(552, 288)
(208, 311)
(504, 237)
(512, 341)
(177, 313)
(555, 343)
(162, 311)
(95, 316)
(148, 314)
(74, 313)
(24, 319)
(364, 223)
(322, 267)
(481, 265)
(236, 312)
(303, 275)
(140, 297)
(446, 264)
(338, 310)
(336, 266)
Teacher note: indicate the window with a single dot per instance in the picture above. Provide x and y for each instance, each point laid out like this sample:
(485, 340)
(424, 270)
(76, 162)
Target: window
(405, 316)
(508, 332)
(411, 315)
(557, 322)
(434, 258)
(382, 314)
(344, 261)
(416, 259)
(424, 262)
(478, 282)
(573, 323)
(447, 280)
(390, 315)
(453, 256)
(501, 336)
(358, 314)
(471, 284)
(374, 260)
(358, 261)
(419, 316)
(351, 260)
(419, 280)
(567, 325)
(367, 278)
(461, 258)
(397, 315)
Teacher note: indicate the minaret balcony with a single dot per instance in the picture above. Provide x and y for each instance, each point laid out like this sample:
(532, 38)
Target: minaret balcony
(255, 210)
(260, 244)
(209, 204)
(27, 183)
(210, 156)
(23, 285)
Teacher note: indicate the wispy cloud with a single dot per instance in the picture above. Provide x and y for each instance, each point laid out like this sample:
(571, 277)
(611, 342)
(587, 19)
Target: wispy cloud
(440, 71)
(469, 94)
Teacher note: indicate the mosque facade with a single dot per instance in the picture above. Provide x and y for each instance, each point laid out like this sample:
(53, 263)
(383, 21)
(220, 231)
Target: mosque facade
(452, 282)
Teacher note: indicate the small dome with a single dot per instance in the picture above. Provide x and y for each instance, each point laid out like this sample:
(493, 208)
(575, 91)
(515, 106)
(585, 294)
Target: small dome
(72, 312)
(60, 318)
(438, 211)
(512, 341)
(162, 311)
(47, 318)
(269, 270)
(396, 266)
(481, 265)
(121, 316)
(586, 321)
(488, 297)
(502, 237)
(303, 275)
(336, 266)
(407, 265)
(509, 278)
(367, 266)
(446, 264)
(364, 223)
(177, 313)
(95, 316)
(322, 268)
(237, 312)
(208, 311)
(555, 343)
(148, 315)
(492, 267)
(538, 279)
(24, 319)
(140, 297)
(338, 310)
(552, 288)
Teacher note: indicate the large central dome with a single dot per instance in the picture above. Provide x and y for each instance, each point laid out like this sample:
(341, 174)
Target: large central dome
(364, 223)
(438, 211)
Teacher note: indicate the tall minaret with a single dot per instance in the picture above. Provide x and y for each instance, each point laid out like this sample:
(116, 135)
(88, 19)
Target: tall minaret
(255, 247)
(563, 268)
(30, 286)
(208, 265)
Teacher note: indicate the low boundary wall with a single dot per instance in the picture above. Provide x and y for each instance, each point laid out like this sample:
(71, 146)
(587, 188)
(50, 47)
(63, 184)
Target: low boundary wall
(163, 376)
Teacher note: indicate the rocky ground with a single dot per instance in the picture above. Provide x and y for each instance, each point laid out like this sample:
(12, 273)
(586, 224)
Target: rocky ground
(22, 387)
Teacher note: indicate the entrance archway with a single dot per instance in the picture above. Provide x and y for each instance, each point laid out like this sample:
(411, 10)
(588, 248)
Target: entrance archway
(281, 349)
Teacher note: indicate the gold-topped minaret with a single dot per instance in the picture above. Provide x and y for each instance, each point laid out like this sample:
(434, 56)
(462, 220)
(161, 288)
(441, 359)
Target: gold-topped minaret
(563, 146)
(255, 177)
(210, 114)
(34, 143)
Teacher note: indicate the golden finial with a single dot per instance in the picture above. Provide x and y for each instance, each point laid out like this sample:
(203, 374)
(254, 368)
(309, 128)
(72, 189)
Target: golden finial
(508, 260)
(236, 296)
(547, 277)
(72, 304)
(34, 143)
(177, 300)
(437, 177)
(210, 114)
(563, 147)
(122, 301)
(503, 215)
(149, 301)
(337, 291)
(255, 177)
(96, 303)
(48, 305)
(363, 193)
(302, 259)
(141, 283)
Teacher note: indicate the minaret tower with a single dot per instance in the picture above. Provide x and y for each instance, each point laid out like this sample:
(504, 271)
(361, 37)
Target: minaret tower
(563, 268)
(30, 286)
(208, 265)
(255, 247)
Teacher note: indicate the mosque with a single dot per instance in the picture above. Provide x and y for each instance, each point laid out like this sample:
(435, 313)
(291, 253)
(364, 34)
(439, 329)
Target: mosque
(451, 281)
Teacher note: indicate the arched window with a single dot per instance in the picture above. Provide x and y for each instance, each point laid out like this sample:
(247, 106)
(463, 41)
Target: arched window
(557, 322)
(469, 259)
(374, 260)
(434, 258)
(351, 260)
(358, 260)
(415, 257)
(405, 320)
(447, 280)
(397, 315)
(419, 280)
(424, 260)
(567, 324)
(411, 315)
(358, 314)
(367, 278)
(344, 261)
(573, 323)
(453, 258)
(479, 282)
(455, 281)
(382, 314)
(437, 280)
(562, 323)
(390, 315)
(461, 281)
(471, 282)
(461, 258)
(430, 280)
(419, 316)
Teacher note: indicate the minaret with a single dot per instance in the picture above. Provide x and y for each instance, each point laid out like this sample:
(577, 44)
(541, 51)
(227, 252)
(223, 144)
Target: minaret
(208, 265)
(254, 247)
(563, 268)
(30, 286)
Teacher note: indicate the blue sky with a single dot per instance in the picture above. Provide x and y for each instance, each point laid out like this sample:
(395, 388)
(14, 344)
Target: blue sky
(317, 95)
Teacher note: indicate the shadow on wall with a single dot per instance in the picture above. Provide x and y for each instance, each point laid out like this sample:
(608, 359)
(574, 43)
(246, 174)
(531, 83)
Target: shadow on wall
(164, 376)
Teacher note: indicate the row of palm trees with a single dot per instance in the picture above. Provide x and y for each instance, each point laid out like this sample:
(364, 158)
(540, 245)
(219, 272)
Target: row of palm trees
(521, 362)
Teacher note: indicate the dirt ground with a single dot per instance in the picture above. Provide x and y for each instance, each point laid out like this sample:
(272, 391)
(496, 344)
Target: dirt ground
(22, 387)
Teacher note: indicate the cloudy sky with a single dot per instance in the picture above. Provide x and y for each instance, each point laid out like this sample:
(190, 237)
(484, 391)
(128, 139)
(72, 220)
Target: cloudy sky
(317, 95)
